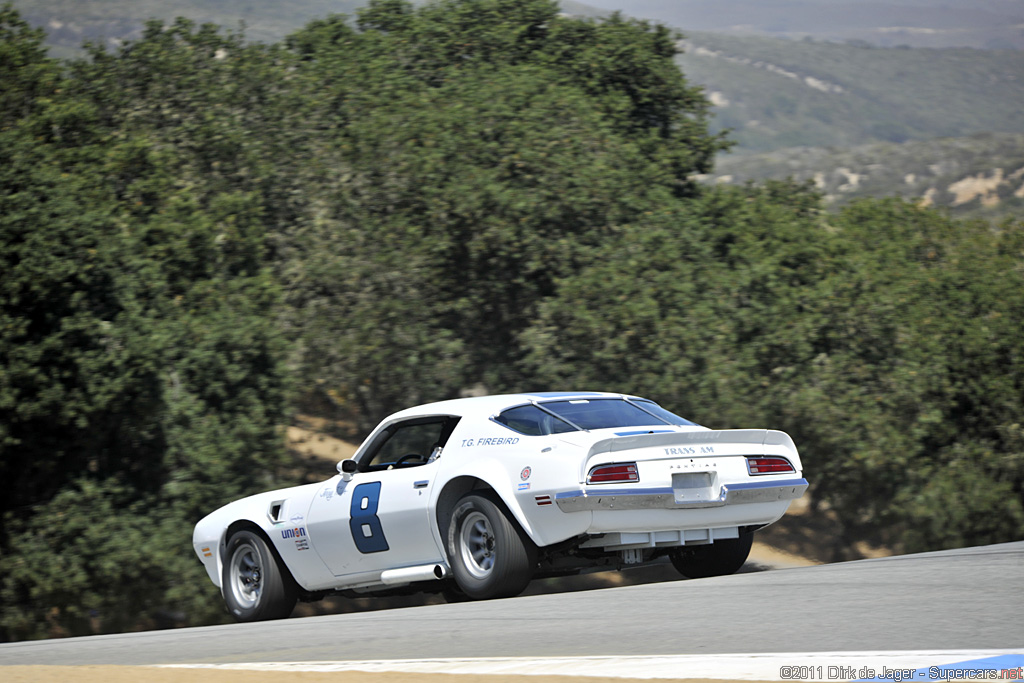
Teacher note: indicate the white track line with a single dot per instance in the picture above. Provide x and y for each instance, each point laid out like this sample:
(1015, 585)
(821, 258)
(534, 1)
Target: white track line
(814, 666)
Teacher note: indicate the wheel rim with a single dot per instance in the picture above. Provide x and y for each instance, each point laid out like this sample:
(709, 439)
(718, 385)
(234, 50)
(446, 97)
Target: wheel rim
(246, 576)
(476, 545)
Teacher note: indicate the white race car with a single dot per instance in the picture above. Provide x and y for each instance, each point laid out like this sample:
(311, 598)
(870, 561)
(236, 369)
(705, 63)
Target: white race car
(475, 497)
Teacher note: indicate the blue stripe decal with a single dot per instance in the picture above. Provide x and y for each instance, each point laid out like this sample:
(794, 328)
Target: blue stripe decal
(595, 492)
(1001, 667)
(645, 431)
(605, 493)
(767, 484)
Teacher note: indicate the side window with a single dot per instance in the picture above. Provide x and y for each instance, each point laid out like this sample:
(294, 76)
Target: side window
(412, 443)
(533, 421)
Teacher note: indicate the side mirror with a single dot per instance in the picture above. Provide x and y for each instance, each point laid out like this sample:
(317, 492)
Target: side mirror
(346, 468)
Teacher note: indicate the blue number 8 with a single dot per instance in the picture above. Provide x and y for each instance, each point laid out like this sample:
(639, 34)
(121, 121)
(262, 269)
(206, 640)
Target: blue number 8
(367, 533)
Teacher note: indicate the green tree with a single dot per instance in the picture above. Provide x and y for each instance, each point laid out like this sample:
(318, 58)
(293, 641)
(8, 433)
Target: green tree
(488, 148)
(26, 74)
(688, 305)
(929, 334)
(884, 339)
(142, 367)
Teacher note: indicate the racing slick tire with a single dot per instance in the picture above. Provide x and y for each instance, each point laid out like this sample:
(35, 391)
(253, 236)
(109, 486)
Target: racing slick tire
(490, 555)
(716, 559)
(254, 585)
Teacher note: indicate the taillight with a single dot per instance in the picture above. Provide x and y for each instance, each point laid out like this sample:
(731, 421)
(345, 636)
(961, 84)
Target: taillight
(613, 474)
(769, 465)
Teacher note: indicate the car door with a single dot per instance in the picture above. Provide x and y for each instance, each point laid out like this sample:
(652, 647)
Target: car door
(380, 519)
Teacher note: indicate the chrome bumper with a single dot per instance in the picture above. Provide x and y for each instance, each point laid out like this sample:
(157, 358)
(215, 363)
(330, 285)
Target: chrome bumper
(596, 498)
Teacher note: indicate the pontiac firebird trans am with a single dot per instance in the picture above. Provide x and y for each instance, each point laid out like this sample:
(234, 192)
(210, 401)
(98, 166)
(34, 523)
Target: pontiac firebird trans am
(475, 497)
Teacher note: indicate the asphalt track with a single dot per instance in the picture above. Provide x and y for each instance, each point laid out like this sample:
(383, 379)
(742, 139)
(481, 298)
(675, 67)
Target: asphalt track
(967, 599)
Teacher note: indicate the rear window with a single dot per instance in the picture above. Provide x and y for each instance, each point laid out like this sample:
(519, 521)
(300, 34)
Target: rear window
(533, 421)
(602, 413)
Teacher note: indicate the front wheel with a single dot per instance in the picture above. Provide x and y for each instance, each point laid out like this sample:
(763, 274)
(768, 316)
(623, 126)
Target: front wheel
(490, 556)
(255, 587)
(717, 559)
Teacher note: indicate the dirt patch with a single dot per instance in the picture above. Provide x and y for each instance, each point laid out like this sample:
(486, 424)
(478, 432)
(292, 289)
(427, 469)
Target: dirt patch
(317, 437)
(770, 557)
(133, 674)
(814, 535)
(980, 185)
(310, 444)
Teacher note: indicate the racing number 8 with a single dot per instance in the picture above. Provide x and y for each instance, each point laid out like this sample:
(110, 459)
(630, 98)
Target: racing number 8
(367, 533)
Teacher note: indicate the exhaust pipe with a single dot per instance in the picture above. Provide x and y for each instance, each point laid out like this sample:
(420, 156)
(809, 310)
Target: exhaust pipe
(426, 572)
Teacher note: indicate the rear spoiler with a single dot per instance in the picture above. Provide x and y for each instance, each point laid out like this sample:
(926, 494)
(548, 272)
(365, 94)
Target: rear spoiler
(763, 438)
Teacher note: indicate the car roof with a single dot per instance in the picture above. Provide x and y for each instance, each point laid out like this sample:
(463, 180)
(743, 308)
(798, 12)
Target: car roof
(486, 406)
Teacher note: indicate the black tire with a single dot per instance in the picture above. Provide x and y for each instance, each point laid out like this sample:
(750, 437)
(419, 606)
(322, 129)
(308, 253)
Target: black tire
(254, 586)
(490, 555)
(717, 559)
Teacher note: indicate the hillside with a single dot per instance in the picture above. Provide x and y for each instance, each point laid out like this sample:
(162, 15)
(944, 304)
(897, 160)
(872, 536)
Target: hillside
(978, 176)
(70, 22)
(774, 93)
(771, 93)
(989, 24)
(789, 105)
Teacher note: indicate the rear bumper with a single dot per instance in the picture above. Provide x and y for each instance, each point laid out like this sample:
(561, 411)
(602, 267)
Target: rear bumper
(603, 498)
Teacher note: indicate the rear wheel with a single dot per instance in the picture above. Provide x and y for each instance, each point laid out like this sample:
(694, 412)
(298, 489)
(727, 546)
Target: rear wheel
(717, 559)
(490, 556)
(254, 585)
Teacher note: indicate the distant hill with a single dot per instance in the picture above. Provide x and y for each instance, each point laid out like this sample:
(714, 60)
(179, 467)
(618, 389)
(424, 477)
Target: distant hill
(989, 24)
(776, 93)
(978, 176)
(771, 93)
(788, 104)
(69, 22)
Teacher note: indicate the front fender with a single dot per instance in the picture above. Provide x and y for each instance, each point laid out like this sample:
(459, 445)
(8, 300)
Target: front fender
(211, 533)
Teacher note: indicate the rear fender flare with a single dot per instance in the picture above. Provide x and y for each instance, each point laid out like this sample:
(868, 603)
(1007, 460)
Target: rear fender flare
(484, 475)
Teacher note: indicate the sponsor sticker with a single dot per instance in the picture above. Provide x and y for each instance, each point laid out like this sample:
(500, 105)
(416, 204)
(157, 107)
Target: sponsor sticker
(524, 487)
